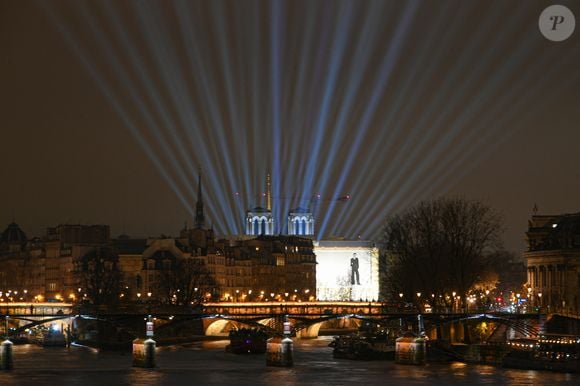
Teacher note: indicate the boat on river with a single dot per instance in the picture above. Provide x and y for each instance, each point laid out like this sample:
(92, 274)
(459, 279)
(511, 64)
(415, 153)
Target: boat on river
(363, 347)
(50, 338)
(247, 341)
(549, 352)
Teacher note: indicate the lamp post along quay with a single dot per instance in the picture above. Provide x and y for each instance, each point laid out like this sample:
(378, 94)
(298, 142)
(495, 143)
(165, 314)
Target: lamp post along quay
(6, 350)
(144, 350)
(279, 351)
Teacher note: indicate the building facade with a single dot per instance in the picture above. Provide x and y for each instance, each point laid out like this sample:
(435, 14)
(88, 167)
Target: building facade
(260, 221)
(553, 262)
(257, 266)
(300, 222)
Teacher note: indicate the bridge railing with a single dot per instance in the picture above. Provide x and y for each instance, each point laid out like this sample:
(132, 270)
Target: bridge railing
(295, 308)
(35, 309)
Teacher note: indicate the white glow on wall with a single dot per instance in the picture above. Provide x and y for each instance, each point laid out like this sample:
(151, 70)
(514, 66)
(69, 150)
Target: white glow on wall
(334, 273)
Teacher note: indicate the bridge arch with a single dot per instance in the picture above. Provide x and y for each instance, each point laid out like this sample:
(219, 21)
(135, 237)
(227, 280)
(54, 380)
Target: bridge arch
(221, 325)
(31, 323)
(456, 327)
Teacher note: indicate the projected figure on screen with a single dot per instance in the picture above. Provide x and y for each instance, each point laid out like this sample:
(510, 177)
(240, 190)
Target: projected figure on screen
(354, 276)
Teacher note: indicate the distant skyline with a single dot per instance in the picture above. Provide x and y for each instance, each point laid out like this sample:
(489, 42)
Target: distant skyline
(110, 109)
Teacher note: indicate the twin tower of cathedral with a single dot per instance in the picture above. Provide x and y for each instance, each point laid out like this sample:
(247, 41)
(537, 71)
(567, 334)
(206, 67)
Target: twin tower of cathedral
(259, 221)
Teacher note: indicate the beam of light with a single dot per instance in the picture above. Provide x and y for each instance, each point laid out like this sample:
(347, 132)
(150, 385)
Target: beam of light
(234, 87)
(411, 177)
(418, 74)
(105, 89)
(297, 82)
(218, 182)
(275, 42)
(416, 134)
(234, 126)
(153, 94)
(165, 57)
(206, 144)
(341, 33)
(389, 60)
(312, 98)
(139, 102)
(387, 67)
(257, 116)
(242, 14)
(414, 151)
(491, 132)
(348, 97)
(494, 128)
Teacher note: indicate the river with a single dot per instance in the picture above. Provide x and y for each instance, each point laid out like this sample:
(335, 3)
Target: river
(207, 363)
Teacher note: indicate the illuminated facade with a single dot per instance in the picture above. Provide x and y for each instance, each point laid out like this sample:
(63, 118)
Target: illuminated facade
(300, 222)
(259, 221)
(347, 270)
(553, 262)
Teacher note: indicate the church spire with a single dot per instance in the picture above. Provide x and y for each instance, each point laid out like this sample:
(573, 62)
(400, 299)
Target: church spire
(268, 193)
(199, 217)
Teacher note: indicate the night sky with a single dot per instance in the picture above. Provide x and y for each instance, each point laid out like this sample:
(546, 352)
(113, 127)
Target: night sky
(110, 108)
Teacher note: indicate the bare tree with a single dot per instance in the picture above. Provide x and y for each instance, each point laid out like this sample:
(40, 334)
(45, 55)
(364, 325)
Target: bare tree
(186, 282)
(100, 275)
(438, 247)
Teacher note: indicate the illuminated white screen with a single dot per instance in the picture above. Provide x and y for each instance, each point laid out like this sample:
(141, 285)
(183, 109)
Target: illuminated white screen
(336, 270)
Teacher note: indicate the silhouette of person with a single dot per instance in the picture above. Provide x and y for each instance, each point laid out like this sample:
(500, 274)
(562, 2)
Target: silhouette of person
(354, 275)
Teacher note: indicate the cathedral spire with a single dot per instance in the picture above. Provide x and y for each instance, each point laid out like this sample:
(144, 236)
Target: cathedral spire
(268, 193)
(199, 216)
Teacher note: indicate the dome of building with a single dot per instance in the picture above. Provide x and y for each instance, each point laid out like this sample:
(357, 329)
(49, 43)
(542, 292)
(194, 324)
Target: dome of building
(14, 235)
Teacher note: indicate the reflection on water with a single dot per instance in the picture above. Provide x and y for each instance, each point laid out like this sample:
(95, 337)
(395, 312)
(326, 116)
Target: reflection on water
(207, 363)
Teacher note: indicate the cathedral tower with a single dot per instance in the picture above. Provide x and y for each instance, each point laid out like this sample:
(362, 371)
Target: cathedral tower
(259, 221)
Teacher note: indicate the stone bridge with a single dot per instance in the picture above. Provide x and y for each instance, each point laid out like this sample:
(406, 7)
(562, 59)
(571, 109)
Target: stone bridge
(306, 318)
